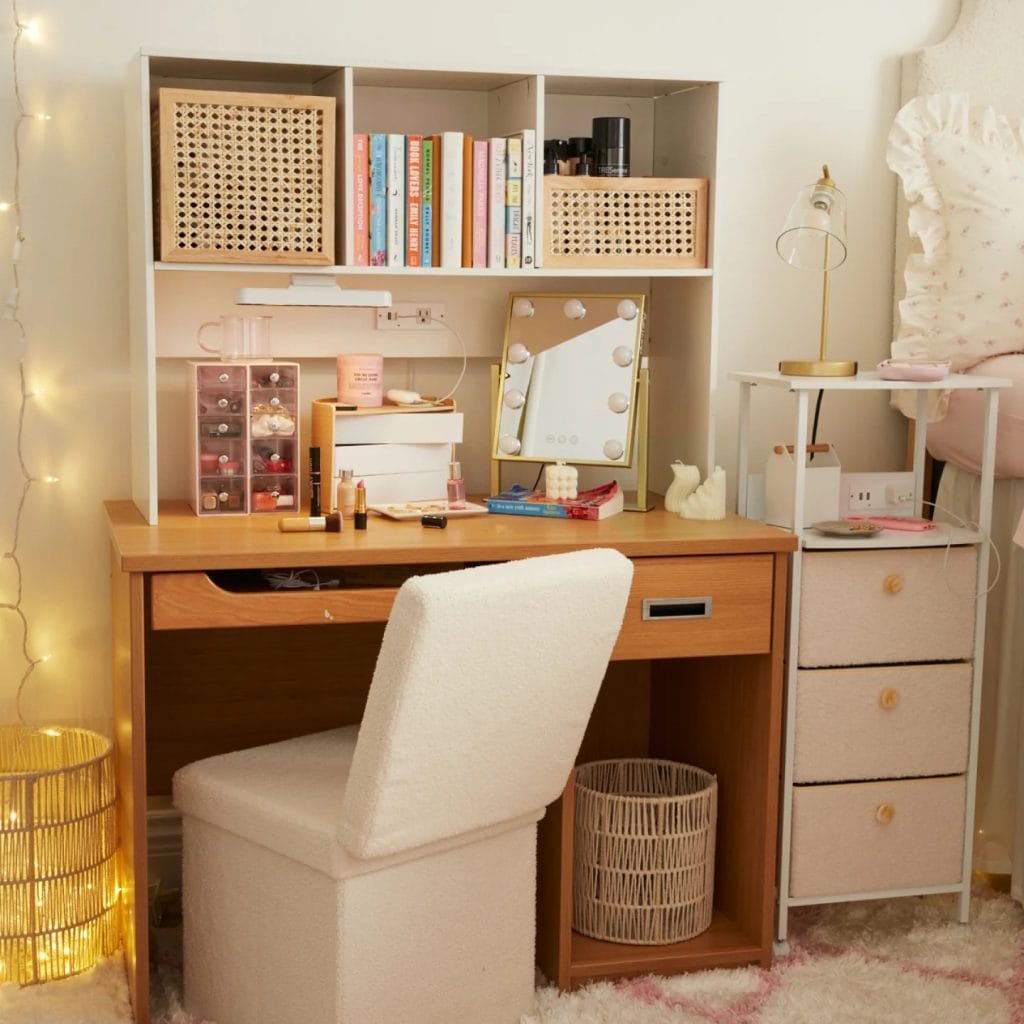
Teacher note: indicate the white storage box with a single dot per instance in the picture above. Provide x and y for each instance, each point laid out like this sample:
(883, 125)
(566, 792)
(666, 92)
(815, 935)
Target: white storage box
(369, 459)
(334, 429)
(395, 488)
(821, 485)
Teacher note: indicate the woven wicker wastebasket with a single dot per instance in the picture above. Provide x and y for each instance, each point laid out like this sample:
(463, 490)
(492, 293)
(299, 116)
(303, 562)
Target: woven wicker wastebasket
(59, 902)
(644, 850)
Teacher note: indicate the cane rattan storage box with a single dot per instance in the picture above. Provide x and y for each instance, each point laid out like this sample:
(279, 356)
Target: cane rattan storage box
(625, 222)
(245, 177)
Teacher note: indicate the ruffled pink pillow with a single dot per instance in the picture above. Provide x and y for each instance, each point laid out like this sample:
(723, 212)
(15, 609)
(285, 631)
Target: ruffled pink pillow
(962, 171)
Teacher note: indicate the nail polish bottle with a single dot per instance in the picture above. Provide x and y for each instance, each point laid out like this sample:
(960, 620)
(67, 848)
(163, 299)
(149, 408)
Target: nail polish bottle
(456, 486)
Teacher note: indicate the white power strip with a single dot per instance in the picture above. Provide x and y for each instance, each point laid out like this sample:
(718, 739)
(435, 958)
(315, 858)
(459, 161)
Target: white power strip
(876, 492)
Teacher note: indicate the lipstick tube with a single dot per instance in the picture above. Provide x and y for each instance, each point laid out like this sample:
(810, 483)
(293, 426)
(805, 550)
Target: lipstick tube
(360, 513)
(330, 523)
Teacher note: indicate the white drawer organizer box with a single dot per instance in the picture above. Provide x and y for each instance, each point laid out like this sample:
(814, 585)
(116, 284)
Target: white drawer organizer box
(883, 684)
(385, 872)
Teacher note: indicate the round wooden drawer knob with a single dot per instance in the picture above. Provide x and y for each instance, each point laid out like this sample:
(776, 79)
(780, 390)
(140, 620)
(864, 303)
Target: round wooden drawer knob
(893, 583)
(885, 814)
(888, 699)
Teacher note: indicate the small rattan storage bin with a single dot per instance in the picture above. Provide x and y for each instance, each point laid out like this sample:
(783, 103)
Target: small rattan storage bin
(625, 222)
(644, 850)
(59, 906)
(246, 177)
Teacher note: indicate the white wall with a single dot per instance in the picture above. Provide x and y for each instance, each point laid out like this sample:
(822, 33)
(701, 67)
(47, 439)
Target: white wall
(806, 82)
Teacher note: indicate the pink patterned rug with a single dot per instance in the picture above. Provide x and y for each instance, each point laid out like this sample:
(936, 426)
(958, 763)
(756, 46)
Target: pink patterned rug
(901, 961)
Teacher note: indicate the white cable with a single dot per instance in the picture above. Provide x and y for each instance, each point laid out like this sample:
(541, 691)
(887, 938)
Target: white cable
(985, 539)
(465, 360)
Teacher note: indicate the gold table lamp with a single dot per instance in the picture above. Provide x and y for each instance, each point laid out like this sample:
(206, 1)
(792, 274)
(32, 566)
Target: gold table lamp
(814, 238)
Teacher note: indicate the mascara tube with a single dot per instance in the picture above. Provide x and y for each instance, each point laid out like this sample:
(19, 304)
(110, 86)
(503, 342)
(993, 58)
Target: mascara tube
(360, 514)
(314, 482)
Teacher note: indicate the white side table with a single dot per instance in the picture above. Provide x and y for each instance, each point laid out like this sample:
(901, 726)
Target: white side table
(889, 816)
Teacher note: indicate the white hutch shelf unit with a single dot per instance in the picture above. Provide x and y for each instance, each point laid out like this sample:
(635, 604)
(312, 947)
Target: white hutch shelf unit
(674, 123)
(883, 682)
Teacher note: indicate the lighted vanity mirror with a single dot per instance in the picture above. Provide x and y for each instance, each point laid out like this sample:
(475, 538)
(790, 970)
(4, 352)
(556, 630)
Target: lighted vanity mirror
(568, 378)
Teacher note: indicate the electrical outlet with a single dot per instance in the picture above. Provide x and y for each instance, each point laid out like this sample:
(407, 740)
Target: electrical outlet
(425, 315)
(877, 492)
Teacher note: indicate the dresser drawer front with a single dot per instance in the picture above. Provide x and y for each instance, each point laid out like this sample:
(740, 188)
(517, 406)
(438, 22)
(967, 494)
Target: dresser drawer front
(887, 605)
(698, 606)
(872, 836)
(888, 722)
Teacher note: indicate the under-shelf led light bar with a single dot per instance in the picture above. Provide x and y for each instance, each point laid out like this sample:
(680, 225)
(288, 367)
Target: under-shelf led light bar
(312, 290)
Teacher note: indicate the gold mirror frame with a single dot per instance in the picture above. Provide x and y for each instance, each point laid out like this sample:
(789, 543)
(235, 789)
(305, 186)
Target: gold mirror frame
(572, 384)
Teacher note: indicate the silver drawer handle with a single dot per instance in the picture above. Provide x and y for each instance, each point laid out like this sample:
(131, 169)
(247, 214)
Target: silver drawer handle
(677, 608)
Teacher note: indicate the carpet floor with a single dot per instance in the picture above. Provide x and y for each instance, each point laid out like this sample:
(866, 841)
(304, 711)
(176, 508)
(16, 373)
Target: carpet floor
(903, 961)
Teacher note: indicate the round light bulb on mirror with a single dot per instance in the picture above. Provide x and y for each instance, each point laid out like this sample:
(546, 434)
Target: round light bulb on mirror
(618, 402)
(574, 309)
(522, 307)
(622, 355)
(518, 353)
(613, 450)
(514, 398)
(508, 444)
(627, 309)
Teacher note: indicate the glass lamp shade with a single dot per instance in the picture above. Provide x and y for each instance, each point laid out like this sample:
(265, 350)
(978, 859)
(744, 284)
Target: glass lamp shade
(814, 235)
(814, 238)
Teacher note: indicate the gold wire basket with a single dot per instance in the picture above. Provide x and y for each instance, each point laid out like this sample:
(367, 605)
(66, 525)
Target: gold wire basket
(59, 907)
(644, 850)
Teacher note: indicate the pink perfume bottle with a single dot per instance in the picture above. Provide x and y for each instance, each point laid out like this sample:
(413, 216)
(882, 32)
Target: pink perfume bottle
(456, 486)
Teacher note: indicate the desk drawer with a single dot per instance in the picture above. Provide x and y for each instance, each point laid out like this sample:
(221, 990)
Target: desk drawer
(874, 836)
(881, 722)
(191, 600)
(698, 606)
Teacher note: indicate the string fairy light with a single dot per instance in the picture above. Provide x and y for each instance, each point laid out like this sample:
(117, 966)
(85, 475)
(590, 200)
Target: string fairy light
(12, 313)
(58, 789)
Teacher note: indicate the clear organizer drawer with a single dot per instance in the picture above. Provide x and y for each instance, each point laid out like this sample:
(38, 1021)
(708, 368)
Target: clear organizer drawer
(245, 453)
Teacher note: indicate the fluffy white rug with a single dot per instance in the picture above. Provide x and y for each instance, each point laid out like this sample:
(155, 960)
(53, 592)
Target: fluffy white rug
(904, 960)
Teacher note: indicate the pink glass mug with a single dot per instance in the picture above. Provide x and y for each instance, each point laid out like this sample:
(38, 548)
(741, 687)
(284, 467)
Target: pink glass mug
(241, 337)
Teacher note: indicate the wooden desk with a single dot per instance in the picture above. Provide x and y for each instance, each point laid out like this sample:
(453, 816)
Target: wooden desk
(203, 665)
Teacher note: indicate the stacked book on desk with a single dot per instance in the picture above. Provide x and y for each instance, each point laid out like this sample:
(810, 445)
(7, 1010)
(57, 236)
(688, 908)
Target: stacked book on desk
(597, 503)
(445, 200)
(400, 452)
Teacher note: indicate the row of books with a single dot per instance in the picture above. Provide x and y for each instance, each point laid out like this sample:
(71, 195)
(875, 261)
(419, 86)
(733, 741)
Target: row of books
(446, 200)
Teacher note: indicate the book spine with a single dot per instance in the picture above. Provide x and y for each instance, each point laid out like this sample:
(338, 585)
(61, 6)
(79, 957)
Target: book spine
(529, 196)
(467, 201)
(480, 203)
(451, 200)
(513, 202)
(396, 200)
(360, 199)
(435, 203)
(496, 203)
(378, 199)
(413, 199)
(526, 508)
(427, 202)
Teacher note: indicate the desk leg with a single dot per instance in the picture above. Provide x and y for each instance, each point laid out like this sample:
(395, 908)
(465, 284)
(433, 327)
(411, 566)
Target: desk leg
(128, 628)
(554, 888)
